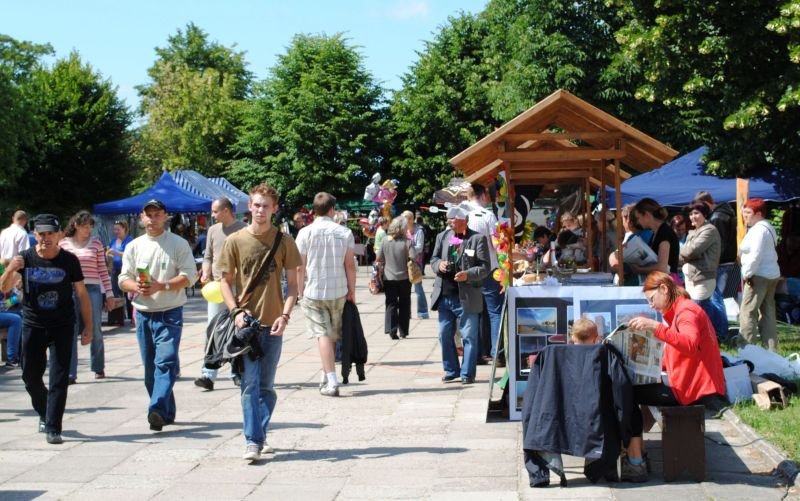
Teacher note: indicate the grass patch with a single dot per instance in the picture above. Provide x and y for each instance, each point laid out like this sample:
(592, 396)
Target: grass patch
(781, 427)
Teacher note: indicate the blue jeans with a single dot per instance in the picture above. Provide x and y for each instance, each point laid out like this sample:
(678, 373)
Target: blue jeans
(450, 311)
(258, 389)
(159, 336)
(716, 313)
(494, 307)
(13, 321)
(422, 301)
(97, 351)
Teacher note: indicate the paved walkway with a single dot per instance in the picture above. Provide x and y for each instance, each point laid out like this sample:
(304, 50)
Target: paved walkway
(401, 434)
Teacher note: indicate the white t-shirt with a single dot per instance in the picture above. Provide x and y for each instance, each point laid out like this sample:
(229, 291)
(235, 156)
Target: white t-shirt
(165, 256)
(483, 221)
(13, 240)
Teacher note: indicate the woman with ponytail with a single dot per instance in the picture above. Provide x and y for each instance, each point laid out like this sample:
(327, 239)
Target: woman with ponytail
(651, 216)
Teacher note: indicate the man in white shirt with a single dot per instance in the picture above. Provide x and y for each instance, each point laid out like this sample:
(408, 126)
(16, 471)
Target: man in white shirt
(483, 221)
(14, 239)
(157, 266)
(327, 251)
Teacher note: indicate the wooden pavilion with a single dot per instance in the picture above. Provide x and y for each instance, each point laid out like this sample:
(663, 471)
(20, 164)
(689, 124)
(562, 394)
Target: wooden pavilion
(562, 139)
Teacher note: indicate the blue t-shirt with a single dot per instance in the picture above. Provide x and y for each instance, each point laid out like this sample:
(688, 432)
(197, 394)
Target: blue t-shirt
(121, 248)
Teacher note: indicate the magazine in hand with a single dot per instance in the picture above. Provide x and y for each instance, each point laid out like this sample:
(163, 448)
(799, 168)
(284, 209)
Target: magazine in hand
(636, 251)
(642, 353)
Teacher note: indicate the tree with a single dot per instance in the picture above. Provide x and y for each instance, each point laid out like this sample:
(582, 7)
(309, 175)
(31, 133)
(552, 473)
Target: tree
(719, 70)
(80, 154)
(18, 120)
(442, 107)
(192, 106)
(317, 123)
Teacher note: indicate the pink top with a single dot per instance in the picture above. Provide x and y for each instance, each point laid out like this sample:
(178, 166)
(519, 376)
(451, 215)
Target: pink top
(93, 262)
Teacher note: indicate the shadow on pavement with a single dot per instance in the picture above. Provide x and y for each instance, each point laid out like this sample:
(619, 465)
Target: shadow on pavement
(370, 452)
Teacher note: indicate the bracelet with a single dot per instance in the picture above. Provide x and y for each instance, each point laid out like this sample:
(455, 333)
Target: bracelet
(286, 317)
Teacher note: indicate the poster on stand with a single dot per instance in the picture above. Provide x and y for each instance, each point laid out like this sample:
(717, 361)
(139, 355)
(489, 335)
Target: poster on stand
(538, 316)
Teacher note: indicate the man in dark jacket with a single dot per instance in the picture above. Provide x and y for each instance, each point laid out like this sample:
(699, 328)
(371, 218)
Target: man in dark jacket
(461, 262)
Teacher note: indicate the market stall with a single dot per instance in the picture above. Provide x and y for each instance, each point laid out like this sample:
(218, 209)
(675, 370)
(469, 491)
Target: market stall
(560, 145)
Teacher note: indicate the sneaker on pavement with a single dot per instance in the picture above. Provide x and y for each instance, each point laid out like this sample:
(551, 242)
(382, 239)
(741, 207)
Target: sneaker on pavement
(329, 391)
(236, 378)
(633, 472)
(42, 426)
(12, 364)
(204, 382)
(252, 453)
(266, 449)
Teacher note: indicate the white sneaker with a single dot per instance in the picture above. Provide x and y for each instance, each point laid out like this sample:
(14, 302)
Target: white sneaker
(267, 449)
(323, 381)
(329, 391)
(252, 453)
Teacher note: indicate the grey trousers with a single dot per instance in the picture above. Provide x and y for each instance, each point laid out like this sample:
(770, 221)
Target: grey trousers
(757, 313)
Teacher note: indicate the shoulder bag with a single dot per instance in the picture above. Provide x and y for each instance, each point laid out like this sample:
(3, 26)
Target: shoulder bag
(222, 327)
(414, 271)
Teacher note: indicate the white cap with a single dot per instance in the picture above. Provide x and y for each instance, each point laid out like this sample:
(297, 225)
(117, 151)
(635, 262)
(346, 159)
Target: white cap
(456, 212)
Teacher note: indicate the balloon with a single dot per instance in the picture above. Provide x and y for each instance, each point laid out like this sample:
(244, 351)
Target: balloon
(498, 275)
(212, 292)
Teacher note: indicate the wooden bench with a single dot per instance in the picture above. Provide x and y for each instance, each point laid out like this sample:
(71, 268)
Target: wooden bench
(682, 441)
(3, 344)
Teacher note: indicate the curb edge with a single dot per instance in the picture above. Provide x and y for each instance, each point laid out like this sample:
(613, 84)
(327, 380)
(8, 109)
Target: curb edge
(784, 465)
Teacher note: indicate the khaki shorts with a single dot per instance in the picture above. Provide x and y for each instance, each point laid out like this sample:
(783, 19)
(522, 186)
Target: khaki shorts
(324, 317)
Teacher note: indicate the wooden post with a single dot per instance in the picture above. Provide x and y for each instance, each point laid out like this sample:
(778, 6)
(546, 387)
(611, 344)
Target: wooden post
(603, 221)
(588, 219)
(620, 231)
(742, 189)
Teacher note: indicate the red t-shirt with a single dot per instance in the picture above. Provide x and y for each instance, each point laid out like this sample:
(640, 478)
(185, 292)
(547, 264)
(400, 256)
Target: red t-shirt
(691, 355)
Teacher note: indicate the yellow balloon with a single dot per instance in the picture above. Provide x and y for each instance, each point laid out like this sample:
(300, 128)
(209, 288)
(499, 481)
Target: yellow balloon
(212, 292)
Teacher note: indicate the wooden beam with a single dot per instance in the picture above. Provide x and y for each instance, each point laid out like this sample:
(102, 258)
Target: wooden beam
(486, 169)
(560, 166)
(555, 136)
(553, 174)
(562, 155)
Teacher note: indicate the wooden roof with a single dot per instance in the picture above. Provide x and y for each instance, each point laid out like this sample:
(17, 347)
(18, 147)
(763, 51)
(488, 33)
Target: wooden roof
(561, 139)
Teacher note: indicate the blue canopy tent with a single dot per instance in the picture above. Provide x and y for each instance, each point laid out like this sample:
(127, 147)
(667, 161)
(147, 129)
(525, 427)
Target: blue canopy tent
(197, 184)
(235, 192)
(165, 189)
(675, 184)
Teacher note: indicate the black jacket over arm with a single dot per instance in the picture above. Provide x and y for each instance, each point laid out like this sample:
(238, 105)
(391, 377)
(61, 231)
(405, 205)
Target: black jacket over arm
(354, 344)
(578, 401)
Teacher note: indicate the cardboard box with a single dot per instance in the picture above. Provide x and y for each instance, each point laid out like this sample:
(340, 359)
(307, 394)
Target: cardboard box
(766, 393)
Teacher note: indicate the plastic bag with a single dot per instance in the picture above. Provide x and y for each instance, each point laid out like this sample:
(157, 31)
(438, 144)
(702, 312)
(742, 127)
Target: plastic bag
(766, 361)
(737, 383)
(794, 361)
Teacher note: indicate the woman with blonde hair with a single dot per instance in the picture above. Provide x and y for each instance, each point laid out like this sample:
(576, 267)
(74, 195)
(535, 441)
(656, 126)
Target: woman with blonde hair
(394, 253)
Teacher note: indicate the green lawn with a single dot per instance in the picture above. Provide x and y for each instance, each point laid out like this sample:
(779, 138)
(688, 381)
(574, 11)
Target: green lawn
(781, 427)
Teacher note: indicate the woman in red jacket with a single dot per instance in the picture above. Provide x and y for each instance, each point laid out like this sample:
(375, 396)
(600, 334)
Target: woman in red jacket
(691, 359)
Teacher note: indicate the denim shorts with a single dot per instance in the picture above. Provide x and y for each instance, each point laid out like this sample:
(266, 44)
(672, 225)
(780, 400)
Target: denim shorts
(324, 317)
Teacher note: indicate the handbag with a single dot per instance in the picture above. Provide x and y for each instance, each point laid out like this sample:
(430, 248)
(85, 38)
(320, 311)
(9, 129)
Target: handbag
(222, 328)
(376, 278)
(414, 272)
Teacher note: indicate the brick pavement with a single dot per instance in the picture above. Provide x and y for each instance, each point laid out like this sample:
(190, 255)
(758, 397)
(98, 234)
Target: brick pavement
(401, 434)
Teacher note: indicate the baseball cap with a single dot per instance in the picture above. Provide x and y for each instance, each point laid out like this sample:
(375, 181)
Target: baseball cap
(46, 222)
(456, 212)
(158, 204)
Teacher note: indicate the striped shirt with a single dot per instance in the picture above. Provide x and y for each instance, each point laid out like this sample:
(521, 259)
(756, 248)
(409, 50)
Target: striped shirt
(325, 244)
(93, 262)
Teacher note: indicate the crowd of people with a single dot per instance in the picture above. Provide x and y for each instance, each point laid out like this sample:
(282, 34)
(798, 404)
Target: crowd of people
(64, 281)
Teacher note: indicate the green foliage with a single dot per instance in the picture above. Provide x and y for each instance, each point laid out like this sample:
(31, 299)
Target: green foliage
(720, 73)
(193, 107)
(316, 123)
(18, 120)
(80, 154)
(441, 109)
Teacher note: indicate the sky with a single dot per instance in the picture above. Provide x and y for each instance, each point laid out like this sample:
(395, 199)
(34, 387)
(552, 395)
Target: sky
(118, 38)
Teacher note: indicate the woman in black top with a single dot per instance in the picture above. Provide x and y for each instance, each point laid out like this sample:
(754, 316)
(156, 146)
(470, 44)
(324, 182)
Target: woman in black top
(651, 216)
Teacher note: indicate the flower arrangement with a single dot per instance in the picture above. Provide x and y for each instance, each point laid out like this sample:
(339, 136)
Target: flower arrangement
(502, 239)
